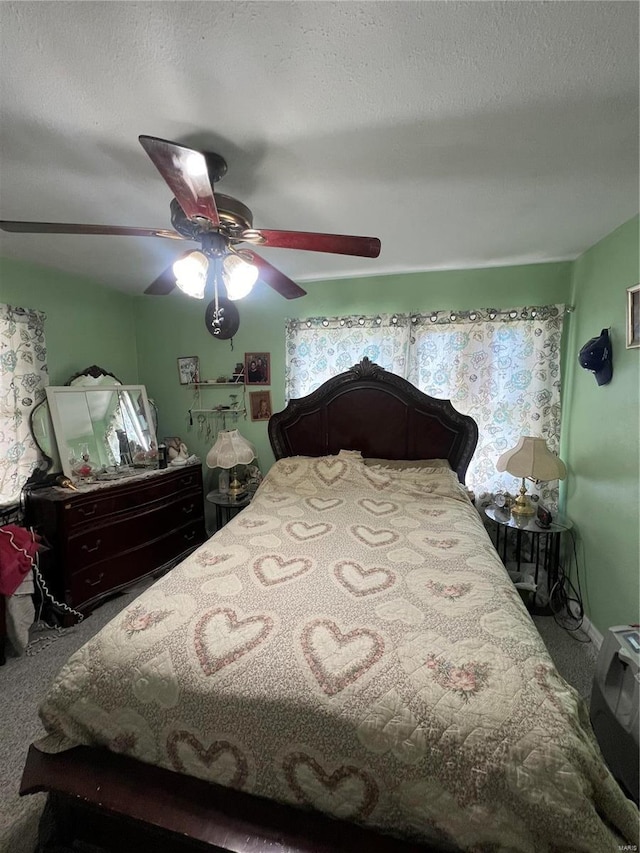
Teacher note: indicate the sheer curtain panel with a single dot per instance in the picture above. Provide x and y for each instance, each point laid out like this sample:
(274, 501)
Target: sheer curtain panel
(503, 369)
(318, 348)
(23, 377)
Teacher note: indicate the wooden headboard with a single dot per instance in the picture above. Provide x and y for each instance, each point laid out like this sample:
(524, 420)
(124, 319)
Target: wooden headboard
(378, 413)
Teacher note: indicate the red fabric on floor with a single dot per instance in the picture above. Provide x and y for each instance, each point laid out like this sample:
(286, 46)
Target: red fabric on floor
(18, 548)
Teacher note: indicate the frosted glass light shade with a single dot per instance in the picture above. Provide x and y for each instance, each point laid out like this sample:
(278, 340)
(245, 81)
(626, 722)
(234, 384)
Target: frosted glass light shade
(191, 274)
(532, 458)
(239, 276)
(230, 449)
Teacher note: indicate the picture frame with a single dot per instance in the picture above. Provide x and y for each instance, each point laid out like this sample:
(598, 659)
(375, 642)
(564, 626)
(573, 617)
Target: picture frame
(257, 368)
(633, 316)
(260, 405)
(189, 369)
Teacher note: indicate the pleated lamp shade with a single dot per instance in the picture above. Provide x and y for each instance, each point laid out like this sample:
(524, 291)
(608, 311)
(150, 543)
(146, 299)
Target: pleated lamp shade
(532, 458)
(230, 449)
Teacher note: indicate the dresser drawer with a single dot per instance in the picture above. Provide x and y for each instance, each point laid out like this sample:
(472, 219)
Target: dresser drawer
(105, 537)
(126, 532)
(120, 499)
(110, 574)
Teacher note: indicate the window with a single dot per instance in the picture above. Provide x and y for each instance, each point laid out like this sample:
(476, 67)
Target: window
(23, 377)
(500, 367)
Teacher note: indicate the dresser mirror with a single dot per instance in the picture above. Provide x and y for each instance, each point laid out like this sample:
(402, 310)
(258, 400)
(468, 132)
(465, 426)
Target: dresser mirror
(102, 431)
(42, 428)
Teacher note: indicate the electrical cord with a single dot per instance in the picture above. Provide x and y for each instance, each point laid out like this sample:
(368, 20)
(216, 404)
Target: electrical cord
(563, 599)
(39, 644)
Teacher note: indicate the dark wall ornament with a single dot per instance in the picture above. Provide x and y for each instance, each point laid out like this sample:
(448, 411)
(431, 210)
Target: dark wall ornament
(226, 323)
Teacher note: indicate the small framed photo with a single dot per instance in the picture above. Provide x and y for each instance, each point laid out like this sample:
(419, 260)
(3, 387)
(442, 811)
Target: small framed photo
(633, 316)
(257, 368)
(189, 369)
(260, 404)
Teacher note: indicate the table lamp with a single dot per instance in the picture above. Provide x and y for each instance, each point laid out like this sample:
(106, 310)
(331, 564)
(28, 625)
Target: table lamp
(530, 458)
(231, 449)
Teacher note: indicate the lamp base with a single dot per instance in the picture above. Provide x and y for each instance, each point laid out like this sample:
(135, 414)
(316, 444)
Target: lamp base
(236, 488)
(522, 505)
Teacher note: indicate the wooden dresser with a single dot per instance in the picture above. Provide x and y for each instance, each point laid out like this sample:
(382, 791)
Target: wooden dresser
(106, 538)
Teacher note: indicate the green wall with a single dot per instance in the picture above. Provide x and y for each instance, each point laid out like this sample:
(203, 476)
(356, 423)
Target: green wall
(86, 322)
(601, 432)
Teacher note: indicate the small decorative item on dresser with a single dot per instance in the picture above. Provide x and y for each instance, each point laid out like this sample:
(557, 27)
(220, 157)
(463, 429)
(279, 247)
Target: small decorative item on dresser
(633, 316)
(162, 456)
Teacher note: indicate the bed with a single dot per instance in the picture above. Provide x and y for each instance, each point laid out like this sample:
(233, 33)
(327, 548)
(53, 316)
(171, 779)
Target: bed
(345, 665)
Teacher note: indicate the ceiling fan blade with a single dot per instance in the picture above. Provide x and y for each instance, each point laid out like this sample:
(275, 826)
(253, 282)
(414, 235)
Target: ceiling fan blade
(337, 244)
(274, 278)
(164, 284)
(72, 228)
(185, 171)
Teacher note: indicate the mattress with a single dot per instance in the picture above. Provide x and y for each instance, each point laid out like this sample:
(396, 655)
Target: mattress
(351, 643)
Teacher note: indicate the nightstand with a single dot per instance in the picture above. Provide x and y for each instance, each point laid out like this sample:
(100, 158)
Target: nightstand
(227, 506)
(551, 551)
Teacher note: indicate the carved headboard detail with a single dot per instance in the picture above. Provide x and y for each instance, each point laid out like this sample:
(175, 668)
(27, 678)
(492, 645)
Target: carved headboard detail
(366, 408)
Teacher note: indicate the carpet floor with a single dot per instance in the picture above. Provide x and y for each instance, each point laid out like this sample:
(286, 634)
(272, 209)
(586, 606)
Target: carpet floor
(24, 680)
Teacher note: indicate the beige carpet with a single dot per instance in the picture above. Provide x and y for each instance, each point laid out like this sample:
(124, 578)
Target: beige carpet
(23, 681)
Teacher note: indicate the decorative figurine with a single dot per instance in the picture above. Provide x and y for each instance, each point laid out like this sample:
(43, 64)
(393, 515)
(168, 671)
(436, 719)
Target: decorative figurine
(177, 452)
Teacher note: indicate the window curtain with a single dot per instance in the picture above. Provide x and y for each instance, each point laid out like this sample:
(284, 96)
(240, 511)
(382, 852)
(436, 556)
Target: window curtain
(23, 377)
(318, 348)
(503, 369)
(500, 367)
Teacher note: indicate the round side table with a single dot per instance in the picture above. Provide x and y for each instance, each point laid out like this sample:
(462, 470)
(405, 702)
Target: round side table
(553, 533)
(227, 506)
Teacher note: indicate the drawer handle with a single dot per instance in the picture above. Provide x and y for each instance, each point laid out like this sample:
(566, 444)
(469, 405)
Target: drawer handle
(86, 512)
(188, 537)
(187, 510)
(96, 581)
(91, 550)
(186, 481)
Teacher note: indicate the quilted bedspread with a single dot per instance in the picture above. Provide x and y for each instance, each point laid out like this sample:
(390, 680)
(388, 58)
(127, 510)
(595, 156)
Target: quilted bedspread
(351, 643)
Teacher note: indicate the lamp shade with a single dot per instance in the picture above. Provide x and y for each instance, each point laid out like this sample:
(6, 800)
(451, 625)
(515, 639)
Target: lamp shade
(230, 449)
(238, 276)
(532, 458)
(191, 273)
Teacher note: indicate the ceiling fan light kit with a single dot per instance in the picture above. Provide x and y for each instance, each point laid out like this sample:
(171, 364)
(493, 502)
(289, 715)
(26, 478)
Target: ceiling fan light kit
(191, 273)
(218, 223)
(238, 275)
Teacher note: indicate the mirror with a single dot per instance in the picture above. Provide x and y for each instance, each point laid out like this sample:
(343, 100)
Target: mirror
(42, 426)
(102, 431)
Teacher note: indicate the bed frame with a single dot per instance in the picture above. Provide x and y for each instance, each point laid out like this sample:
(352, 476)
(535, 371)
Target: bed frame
(113, 803)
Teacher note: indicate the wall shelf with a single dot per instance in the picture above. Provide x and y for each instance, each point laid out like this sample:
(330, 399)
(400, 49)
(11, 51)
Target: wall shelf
(218, 411)
(209, 419)
(211, 383)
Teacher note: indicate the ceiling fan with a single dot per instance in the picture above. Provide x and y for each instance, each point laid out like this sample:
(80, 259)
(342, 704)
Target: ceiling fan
(222, 225)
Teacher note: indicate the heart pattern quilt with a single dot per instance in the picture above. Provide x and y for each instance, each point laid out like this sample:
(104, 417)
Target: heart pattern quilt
(351, 643)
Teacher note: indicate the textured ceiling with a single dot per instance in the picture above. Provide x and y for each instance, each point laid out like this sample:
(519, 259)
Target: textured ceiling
(461, 134)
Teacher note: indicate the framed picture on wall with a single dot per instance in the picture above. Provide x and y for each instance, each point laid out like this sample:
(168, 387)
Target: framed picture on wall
(189, 369)
(633, 316)
(257, 368)
(260, 404)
